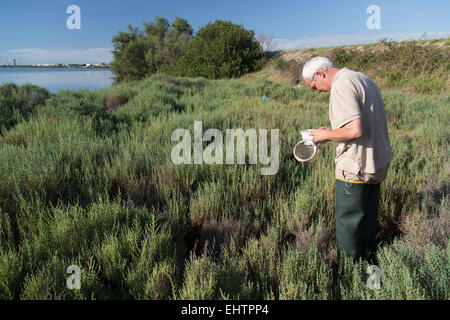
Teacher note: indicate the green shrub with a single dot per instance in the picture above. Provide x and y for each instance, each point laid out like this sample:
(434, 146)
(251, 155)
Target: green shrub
(200, 279)
(18, 102)
(156, 49)
(221, 50)
(289, 68)
(280, 64)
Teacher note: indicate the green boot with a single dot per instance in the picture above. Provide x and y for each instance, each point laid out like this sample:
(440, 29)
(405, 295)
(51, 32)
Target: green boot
(356, 208)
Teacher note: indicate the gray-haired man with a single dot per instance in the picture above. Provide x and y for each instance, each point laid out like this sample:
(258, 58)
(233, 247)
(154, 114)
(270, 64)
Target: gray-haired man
(358, 123)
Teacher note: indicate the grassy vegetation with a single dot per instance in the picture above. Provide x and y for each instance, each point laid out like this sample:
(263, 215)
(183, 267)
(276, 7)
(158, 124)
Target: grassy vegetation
(88, 180)
(413, 66)
(17, 103)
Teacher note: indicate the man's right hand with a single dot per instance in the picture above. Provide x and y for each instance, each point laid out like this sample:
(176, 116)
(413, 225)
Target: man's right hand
(320, 135)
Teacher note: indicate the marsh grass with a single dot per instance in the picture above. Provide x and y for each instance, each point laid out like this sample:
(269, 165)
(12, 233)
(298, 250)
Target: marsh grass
(88, 180)
(417, 67)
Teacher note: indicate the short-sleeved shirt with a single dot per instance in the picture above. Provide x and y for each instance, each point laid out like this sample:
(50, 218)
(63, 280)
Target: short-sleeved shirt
(355, 96)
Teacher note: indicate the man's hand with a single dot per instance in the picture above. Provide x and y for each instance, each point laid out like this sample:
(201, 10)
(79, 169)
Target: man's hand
(320, 135)
(349, 131)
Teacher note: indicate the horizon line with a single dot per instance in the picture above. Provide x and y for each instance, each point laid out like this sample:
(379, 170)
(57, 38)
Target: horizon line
(34, 56)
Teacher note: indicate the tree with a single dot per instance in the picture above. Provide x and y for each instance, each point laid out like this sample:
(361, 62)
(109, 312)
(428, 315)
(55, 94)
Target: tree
(155, 49)
(129, 53)
(182, 26)
(266, 42)
(167, 43)
(221, 50)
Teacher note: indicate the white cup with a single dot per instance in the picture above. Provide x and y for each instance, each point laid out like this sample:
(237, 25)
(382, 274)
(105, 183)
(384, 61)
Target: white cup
(306, 136)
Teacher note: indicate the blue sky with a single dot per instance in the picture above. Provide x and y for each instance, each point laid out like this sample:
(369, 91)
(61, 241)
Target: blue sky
(35, 31)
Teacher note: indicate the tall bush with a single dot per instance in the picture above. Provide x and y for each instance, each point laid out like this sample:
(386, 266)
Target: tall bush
(221, 50)
(138, 54)
(17, 102)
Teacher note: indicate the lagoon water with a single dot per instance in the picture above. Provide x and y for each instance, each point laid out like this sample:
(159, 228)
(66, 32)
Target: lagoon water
(55, 79)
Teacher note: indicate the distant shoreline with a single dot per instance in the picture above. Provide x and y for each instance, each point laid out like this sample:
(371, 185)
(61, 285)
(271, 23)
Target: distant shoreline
(57, 66)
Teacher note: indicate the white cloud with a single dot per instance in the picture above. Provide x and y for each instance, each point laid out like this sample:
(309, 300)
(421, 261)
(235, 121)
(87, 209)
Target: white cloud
(340, 40)
(42, 56)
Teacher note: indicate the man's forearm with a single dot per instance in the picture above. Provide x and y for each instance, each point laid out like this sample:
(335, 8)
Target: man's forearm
(350, 131)
(342, 134)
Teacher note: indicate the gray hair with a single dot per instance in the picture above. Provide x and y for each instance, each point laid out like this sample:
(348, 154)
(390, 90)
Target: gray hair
(314, 64)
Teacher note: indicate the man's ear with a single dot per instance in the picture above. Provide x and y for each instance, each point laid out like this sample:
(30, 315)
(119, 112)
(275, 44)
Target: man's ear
(320, 73)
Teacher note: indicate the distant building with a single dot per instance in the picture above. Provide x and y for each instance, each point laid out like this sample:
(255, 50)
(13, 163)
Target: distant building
(14, 62)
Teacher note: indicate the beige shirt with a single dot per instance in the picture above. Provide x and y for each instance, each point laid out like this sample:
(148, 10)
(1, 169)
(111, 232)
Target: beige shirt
(355, 96)
(370, 178)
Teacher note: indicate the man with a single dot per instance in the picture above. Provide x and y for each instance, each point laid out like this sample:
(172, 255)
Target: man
(358, 123)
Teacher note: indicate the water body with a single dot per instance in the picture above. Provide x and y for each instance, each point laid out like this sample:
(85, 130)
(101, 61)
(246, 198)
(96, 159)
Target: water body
(55, 79)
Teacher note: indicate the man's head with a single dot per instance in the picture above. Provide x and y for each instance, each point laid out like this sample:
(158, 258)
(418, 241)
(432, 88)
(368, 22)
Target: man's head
(318, 73)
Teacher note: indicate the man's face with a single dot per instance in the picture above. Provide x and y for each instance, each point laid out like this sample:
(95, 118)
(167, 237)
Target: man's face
(318, 84)
(311, 84)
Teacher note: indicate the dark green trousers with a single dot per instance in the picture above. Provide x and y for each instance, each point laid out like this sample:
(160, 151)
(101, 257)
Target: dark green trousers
(356, 206)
